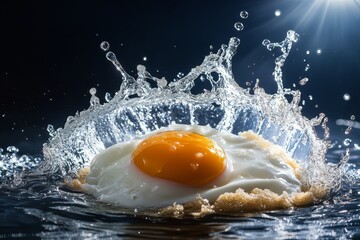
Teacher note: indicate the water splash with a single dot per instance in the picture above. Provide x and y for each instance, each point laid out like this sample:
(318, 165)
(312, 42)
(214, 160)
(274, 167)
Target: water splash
(13, 164)
(285, 47)
(147, 103)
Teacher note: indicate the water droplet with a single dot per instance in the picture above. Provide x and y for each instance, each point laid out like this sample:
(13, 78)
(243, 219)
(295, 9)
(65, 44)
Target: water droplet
(239, 26)
(303, 81)
(51, 130)
(180, 75)
(248, 84)
(94, 100)
(318, 51)
(307, 67)
(350, 125)
(307, 52)
(277, 13)
(104, 46)
(310, 97)
(346, 97)
(111, 56)
(202, 78)
(303, 102)
(211, 47)
(244, 14)
(347, 141)
(108, 97)
(144, 58)
(92, 91)
(162, 82)
(141, 69)
(348, 130)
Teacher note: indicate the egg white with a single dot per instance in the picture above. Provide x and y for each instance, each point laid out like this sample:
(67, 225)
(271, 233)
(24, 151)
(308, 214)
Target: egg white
(114, 179)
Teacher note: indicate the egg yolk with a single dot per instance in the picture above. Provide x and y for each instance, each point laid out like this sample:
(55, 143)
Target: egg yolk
(180, 156)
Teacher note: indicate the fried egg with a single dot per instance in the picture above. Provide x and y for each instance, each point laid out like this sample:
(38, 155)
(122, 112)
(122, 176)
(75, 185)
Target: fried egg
(178, 163)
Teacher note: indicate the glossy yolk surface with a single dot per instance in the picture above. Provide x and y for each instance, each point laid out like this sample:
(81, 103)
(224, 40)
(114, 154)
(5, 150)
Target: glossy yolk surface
(180, 156)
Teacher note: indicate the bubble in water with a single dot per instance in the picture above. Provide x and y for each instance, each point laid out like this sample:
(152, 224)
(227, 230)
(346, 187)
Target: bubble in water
(310, 97)
(346, 97)
(244, 14)
(104, 46)
(307, 52)
(144, 58)
(277, 13)
(347, 142)
(303, 81)
(239, 26)
(352, 117)
(318, 51)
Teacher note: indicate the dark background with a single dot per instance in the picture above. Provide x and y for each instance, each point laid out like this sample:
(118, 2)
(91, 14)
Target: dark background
(50, 54)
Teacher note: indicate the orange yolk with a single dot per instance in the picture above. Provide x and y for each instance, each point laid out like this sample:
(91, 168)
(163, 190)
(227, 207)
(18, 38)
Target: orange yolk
(180, 156)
